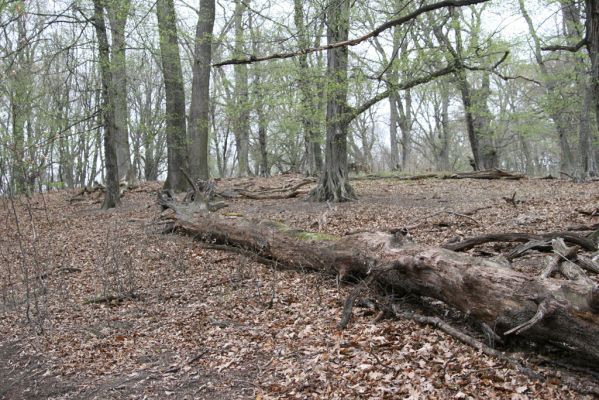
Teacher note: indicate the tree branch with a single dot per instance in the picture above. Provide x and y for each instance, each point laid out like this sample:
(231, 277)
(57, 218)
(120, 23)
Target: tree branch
(572, 49)
(355, 111)
(353, 42)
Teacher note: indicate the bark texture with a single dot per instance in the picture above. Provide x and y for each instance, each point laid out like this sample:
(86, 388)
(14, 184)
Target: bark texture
(199, 111)
(565, 314)
(112, 197)
(176, 132)
(334, 184)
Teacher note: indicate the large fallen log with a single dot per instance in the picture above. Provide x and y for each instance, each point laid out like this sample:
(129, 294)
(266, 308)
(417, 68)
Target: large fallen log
(562, 313)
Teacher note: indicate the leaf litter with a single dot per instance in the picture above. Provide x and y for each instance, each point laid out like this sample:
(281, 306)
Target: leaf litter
(102, 305)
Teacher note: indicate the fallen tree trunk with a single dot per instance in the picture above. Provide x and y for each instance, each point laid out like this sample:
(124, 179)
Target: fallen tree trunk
(563, 313)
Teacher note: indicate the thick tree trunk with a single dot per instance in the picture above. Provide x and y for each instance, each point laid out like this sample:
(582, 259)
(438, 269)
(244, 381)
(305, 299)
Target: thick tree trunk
(118, 11)
(563, 313)
(587, 163)
(176, 132)
(199, 111)
(333, 184)
(592, 34)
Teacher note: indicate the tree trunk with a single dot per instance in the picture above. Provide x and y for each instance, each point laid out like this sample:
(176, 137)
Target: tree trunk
(443, 130)
(592, 36)
(175, 96)
(482, 124)
(20, 103)
(393, 123)
(242, 107)
(562, 313)
(333, 184)
(588, 166)
(199, 112)
(309, 112)
(118, 11)
(405, 124)
(112, 196)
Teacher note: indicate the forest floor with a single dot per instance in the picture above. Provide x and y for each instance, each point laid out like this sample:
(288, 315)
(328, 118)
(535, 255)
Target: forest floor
(205, 323)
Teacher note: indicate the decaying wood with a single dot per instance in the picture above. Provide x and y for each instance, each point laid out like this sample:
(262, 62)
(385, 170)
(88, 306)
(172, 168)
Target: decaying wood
(591, 213)
(568, 237)
(487, 174)
(588, 263)
(520, 250)
(285, 192)
(575, 273)
(563, 313)
(562, 253)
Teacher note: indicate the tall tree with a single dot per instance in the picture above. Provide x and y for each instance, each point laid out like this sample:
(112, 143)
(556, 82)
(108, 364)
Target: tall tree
(118, 12)
(20, 101)
(241, 126)
(551, 87)
(588, 146)
(176, 132)
(309, 109)
(112, 197)
(199, 111)
(334, 184)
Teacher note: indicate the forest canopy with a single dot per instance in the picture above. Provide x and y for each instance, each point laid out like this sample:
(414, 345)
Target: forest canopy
(119, 90)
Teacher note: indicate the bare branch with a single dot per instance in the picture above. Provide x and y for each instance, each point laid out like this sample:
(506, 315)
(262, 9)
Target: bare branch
(353, 42)
(572, 49)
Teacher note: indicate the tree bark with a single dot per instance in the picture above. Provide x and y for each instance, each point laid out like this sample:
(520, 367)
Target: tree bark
(175, 96)
(309, 110)
(199, 111)
(333, 184)
(112, 195)
(20, 106)
(118, 11)
(592, 44)
(241, 127)
(565, 314)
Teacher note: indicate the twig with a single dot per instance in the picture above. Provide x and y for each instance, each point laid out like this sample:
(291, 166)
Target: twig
(469, 340)
(189, 362)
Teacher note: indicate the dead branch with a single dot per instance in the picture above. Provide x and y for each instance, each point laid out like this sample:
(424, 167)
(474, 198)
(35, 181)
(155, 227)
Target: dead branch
(568, 237)
(562, 253)
(488, 174)
(470, 341)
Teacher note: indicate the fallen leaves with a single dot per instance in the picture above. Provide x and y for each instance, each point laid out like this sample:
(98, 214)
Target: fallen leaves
(261, 333)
